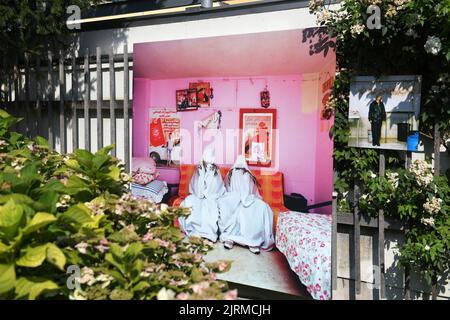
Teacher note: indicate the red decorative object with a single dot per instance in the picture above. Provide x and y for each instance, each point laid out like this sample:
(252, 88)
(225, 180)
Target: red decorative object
(265, 98)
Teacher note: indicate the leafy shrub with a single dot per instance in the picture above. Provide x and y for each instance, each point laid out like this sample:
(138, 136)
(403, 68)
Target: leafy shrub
(74, 214)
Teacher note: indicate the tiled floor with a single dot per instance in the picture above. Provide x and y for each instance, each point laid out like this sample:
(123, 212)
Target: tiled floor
(268, 270)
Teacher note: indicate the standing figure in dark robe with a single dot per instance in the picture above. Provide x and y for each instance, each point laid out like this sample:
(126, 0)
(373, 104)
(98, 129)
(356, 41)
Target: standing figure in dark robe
(377, 114)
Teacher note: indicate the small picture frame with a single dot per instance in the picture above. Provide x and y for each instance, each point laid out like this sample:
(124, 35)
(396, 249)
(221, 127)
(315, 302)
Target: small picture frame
(204, 93)
(192, 99)
(183, 101)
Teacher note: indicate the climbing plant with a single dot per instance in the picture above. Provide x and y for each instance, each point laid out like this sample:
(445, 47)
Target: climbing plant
(395, 37)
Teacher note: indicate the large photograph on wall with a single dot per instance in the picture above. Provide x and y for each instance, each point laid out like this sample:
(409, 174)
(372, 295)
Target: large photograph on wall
(257, 136)
(164, 139)
(384, 112)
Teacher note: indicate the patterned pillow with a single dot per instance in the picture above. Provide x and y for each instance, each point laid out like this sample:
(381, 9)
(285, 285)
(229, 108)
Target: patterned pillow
(143, 178)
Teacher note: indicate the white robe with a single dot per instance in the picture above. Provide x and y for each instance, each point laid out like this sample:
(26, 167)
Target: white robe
(205, 188)
(244, 217)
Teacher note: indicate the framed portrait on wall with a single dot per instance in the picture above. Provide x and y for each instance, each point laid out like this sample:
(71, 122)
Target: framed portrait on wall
(192, 99)
(257, 136)
(203, 90)
(183, 102)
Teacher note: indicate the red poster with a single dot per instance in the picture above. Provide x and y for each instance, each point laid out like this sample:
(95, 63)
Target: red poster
(156, 133)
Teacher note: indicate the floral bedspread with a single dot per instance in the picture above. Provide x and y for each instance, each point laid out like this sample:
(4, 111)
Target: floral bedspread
(305, 240)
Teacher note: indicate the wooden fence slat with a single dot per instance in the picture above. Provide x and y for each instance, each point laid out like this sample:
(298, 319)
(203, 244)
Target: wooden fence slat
(10, 87)
(334, 243)
(87, 120)
(74, 119)
(112, 100)
(16, 92)
(356, 240)
(99, 100)
(407, 275)
(437, 169)
(38, 120)
(381, 262)
(50, 98)
(126, 97)
(62, 92)
(27, 111)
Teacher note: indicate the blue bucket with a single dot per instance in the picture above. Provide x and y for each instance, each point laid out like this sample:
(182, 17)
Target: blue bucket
(412, 143)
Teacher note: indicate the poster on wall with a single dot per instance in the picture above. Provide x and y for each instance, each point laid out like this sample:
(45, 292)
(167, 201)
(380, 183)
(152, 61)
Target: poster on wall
(257, 136)
(164, 130)
(384, 112)
(203, 93)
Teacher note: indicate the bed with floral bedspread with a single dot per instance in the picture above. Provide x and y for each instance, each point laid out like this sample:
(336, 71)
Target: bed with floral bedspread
(305, 240)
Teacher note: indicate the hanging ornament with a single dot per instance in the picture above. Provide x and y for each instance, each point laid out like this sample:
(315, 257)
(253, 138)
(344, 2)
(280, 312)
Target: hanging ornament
(265, 98)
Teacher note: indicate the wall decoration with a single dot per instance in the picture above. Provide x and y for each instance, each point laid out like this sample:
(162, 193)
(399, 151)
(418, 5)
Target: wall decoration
(384, 112)
(257, 136)
(183, 102)
(212, 121)
(204, 93)
(327, 87)
(192, 99)
(164, 130)
(265, 98)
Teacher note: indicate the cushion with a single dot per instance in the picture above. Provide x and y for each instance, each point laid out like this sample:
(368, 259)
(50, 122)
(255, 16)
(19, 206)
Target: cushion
(154, 190)
(146, 165)
(143, 170)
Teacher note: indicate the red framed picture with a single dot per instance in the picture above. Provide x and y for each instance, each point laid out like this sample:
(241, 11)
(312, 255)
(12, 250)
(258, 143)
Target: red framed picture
(203, 93)
(257, 138)
(183, 102)
(192, 99)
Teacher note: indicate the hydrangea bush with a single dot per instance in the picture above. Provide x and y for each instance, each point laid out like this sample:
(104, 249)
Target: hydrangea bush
(69, 228)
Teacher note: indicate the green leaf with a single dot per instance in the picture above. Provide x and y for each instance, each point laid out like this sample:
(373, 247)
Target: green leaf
(116, 251)
(10, 218)
(31, 288)
(55, 256)
(39, 220)
(42, 142)
(80, 214)
(133, 251)
(109, 258)
(7, 277)
(104, 151)
(114, 173)
(4, 248)
(33, 256)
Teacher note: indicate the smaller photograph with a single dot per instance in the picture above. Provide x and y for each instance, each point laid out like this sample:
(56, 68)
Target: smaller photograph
(182, 100)
(204, 93)
(192, 99)
(384, 112)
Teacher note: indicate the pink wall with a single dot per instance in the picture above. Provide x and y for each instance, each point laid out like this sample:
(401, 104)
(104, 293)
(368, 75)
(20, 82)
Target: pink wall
(302, 158)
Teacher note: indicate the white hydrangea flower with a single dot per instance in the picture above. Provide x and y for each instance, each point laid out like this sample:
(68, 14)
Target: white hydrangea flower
(433, 205)
(165, 294)
(433, 45)
(428, 221)
(357, 29)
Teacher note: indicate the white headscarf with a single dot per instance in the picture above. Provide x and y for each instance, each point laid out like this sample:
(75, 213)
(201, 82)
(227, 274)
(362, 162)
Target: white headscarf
(209, 156)
(240, 163)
